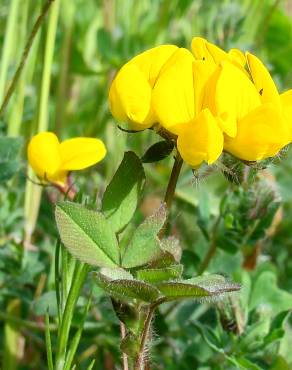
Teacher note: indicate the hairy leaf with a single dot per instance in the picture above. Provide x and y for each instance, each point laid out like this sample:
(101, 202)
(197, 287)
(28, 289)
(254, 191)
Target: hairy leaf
(87, 235)
(125, 289)
(122, 194)
(144, 246)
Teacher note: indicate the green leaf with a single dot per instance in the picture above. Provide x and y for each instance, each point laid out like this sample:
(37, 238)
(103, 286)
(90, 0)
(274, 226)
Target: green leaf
(276, 329)
(46, 303)
(144, 246)
(87, 235)
(122, 194)
(244, 363)
(9, 150)
(172, 246)
(158, 151)
(200, 287)
(125, 289)
(266, 292)
(157, 275)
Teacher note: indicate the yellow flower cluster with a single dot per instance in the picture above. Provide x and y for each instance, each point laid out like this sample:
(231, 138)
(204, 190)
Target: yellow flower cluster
(52, 160)
(210, 99)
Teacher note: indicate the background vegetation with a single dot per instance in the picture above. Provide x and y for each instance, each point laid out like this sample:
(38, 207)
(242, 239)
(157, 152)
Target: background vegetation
(63, 88)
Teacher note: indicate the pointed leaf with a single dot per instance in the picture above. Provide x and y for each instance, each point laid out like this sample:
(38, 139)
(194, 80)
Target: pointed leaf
(172, 246)
(122, 194)
(144, 245)
(201, 287)
(125, 289)
(87, 235)
(158, 151)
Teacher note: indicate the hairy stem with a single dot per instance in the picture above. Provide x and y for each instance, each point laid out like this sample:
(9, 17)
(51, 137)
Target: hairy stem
(125, 357)
(140, 359)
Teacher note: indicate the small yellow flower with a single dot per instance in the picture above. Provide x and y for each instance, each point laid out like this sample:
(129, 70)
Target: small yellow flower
(52, 160)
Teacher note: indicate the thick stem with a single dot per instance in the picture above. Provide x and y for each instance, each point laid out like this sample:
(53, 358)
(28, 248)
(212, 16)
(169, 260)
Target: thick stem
(169, 194)
(140, 359)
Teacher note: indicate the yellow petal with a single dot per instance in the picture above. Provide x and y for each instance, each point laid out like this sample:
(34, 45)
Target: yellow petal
(44, 154)
(261, 134)
(130, 92)
(204, 50)
(130, 97)
(234, 95)
(237, 56)
(173, 93)
(263, 81)
(202, 73)
(151, 61)
(201, 141)
(199, 49)
(286, 100)
(81, 152)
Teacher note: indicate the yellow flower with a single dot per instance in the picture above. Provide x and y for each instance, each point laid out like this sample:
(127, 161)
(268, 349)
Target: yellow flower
(202, 141)
(130, 95)
(204, 50)
(52, 160)
(165, 86)
(259, 125)
(177, 100)
(254, 117)
(286, 104)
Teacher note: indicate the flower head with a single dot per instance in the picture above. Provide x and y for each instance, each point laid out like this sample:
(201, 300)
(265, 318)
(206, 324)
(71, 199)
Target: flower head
(52, 160)
(210, 100)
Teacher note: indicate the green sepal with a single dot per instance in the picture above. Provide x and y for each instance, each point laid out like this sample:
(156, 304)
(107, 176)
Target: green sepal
(158, 151)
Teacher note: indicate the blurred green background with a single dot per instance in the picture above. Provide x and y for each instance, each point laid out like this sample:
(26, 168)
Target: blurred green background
(63, 88)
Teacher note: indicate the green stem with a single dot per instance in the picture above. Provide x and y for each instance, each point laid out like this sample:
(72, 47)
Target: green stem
(62, 93)
(8, 44)
(15, 116)
(79, 278)
(49, 343)
(49, 52)
(140, 359)
(25, 54)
